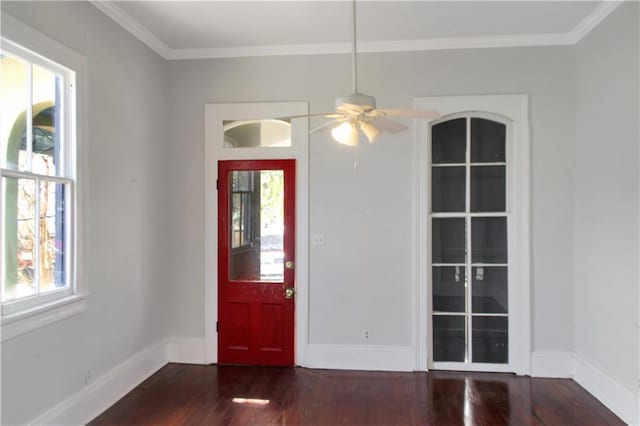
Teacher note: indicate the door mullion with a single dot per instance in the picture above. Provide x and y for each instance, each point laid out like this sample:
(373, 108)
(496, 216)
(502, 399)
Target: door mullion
(468, 280)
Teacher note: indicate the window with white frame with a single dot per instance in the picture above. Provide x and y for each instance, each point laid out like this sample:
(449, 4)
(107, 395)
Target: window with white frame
(38, 171)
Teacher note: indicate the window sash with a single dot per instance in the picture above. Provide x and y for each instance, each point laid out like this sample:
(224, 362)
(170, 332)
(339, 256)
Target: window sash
(68, 238)
(66, 106)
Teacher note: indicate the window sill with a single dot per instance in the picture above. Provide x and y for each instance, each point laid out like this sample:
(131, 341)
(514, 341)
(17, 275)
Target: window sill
(31, 319)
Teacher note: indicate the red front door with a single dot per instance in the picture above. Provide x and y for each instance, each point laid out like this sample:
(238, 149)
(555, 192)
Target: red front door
(256, 246)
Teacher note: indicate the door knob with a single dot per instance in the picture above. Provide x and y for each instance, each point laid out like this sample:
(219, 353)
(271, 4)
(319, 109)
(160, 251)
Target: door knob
(289, 292)
(288, 264)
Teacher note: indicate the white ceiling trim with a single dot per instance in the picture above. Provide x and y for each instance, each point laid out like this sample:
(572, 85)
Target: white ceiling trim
(132, 25)
(517, 40)
(375, 46)
(594, 18)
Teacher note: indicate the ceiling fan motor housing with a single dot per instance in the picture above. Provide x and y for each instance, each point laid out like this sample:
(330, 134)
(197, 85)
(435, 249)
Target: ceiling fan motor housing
(355, 103)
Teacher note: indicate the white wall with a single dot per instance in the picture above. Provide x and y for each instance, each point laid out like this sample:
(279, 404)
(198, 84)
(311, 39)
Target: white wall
(127, 246)
(362, 278)
(606, 215)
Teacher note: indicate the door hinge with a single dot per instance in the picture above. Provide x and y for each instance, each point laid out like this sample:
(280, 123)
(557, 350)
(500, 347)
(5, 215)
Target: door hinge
(217, 184)
(217, 327)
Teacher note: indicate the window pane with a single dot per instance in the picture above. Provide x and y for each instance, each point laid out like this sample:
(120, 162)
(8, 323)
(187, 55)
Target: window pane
(13, 107)
(18, 231)
(52, 236)
(448, 184)
(449, 288)
(257, 225)
(449, 338)
(490, 290)
(449, 141)
(490, 340)
(487, 141)
(267, 133)
(448, 240)
(488, 188)
(489, 239)
(46, 122)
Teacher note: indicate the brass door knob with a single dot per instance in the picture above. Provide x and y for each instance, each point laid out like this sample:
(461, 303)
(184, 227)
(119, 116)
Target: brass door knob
(289, 292)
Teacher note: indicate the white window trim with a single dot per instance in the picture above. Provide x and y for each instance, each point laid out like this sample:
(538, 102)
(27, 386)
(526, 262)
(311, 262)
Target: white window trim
(514, 107)
(214, 152)
(62, 304)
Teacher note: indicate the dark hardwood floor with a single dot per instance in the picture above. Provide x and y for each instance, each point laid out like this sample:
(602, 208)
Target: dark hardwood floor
(181, 394)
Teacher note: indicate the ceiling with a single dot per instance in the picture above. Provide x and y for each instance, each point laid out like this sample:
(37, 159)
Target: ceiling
(184, 29)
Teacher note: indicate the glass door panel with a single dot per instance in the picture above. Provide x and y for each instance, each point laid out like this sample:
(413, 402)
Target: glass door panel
(469, 252)
(256, 224)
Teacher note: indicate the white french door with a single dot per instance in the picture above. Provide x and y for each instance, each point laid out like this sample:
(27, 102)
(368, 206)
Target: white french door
(469, 266)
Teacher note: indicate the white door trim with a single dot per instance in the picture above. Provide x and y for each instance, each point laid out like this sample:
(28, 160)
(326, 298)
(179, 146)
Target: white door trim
(214, 152)
(514, 107)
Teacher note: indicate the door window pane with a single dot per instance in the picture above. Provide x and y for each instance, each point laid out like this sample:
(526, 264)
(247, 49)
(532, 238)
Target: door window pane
(490, 339)
(488, 188)
(489, 239)
(448, 237)
(490, 290)
(448, 194)
(449, 338)
(449, 141)
(256, 251)
(449, 288)
(487, 141)
(268, 133)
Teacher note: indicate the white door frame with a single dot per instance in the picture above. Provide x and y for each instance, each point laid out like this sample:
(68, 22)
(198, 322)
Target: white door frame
(214, 151)
(515, 108)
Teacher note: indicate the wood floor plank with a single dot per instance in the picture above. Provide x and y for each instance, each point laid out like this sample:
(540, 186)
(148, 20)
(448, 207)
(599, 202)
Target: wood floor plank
(181, 394)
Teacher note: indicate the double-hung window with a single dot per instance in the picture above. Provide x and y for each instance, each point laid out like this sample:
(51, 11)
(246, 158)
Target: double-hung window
(38, 170)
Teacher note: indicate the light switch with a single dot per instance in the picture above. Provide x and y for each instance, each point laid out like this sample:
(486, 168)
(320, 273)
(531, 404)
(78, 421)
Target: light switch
(317, 239)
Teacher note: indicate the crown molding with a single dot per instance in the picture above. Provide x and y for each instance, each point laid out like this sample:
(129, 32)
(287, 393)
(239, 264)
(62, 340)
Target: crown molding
(130, 24)
(520, 40)
(598, 15)
(516, 40)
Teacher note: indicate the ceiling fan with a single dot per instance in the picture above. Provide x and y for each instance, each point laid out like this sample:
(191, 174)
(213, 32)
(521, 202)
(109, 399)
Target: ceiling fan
(358, 111)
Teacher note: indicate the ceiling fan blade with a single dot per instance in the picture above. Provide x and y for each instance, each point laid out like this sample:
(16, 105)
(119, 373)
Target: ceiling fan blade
(327, 125)
(319, 114)
(387, 125)
(411, 113)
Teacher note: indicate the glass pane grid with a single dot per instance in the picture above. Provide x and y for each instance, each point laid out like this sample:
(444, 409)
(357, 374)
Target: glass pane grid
(35, 184)
(484, 309)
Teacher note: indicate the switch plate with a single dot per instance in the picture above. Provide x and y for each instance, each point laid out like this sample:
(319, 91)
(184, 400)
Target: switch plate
(317, 239)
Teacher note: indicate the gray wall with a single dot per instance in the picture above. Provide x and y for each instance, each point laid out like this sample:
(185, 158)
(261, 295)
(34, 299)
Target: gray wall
(606, 197)
(362, 278)
(127, 216)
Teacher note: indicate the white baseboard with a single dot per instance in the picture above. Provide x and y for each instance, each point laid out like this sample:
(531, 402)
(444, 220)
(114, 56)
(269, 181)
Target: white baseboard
(372, 358)
(556, 364)
(96, 397)
(188, 350)
(624, 403)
